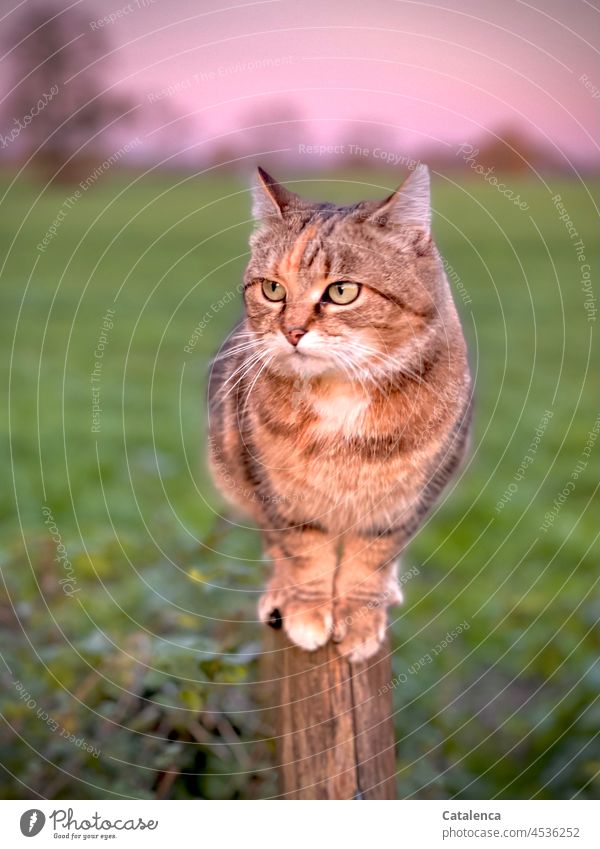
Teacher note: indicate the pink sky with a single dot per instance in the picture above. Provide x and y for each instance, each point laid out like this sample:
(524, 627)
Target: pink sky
(425, 73)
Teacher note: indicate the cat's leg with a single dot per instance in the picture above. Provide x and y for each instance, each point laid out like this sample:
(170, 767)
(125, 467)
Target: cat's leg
(300, 592)
(365, 585)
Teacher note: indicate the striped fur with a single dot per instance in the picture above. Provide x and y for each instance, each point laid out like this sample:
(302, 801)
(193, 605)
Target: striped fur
(339, 447)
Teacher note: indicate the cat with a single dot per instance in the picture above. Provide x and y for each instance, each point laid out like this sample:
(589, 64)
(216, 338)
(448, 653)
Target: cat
(340, 405)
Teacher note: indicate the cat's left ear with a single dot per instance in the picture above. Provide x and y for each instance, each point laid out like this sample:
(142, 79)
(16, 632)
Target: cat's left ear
(269, 198)
(409, 205)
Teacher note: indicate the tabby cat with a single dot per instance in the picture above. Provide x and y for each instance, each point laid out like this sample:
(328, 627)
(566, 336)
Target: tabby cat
(340, 405)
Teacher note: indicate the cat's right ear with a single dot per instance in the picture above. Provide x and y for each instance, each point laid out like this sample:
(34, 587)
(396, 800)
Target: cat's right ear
(269, 198)
(410, 205)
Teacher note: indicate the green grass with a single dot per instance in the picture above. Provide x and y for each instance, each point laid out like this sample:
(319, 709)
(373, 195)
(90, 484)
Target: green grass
(153, 661)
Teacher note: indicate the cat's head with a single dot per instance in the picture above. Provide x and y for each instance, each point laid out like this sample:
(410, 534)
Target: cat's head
(356, 289)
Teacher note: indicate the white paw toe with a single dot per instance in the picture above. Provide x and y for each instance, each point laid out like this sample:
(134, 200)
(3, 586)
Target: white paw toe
(309, 631)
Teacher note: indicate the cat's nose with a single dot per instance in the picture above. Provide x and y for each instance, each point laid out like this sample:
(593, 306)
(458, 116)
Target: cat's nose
(294, 334)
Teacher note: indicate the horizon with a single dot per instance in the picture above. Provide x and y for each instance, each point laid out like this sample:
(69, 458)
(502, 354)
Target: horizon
(304, 73)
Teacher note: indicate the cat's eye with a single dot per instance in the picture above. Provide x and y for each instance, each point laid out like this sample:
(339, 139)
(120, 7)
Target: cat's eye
(273, 291)
(342, 292)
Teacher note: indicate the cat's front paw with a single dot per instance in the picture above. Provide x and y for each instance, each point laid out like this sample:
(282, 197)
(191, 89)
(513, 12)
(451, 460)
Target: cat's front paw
(308, 624)
(359, 628)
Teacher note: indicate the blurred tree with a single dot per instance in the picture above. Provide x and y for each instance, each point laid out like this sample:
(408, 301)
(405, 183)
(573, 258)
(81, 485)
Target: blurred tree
(272, 127)
(509, 149)
(56, 110)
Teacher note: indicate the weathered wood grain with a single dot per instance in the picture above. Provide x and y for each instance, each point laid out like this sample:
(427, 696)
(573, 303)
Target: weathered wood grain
(333, 723)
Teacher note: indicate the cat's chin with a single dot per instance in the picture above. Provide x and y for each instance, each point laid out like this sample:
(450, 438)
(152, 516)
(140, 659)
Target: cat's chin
(310, 358)
(302, 364)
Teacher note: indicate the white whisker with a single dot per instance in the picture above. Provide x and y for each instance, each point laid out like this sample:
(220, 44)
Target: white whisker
(387, 362)
(252, 385)
(245, 367)
(245, 346)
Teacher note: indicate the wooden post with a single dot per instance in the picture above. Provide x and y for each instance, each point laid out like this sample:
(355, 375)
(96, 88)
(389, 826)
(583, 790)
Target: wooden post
(334, 724)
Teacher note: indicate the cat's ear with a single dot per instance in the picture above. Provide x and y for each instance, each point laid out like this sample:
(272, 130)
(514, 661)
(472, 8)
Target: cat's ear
(270, 198)
(409, 205)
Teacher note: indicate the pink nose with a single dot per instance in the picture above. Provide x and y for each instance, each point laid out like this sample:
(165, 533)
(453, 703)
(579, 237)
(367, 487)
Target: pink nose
(294, 334)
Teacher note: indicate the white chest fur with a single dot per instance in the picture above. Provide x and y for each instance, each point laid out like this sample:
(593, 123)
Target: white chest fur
(341, 410)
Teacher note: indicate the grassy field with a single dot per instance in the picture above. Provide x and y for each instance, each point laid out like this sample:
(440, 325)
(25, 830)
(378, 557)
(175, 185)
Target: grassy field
(126, 614)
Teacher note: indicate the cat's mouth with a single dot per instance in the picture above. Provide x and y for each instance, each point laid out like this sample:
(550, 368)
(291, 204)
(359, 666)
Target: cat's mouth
(306, 357)
(300, 354)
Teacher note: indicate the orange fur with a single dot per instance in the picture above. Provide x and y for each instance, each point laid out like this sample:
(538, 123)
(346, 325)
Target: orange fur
(290, 264)
(338, 447)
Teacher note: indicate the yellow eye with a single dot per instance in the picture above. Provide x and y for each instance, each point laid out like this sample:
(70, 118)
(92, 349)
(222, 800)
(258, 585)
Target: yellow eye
(273, 291)
(342, 292)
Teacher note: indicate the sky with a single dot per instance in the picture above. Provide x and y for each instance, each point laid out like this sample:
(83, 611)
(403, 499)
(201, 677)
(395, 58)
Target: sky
(418, 74)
